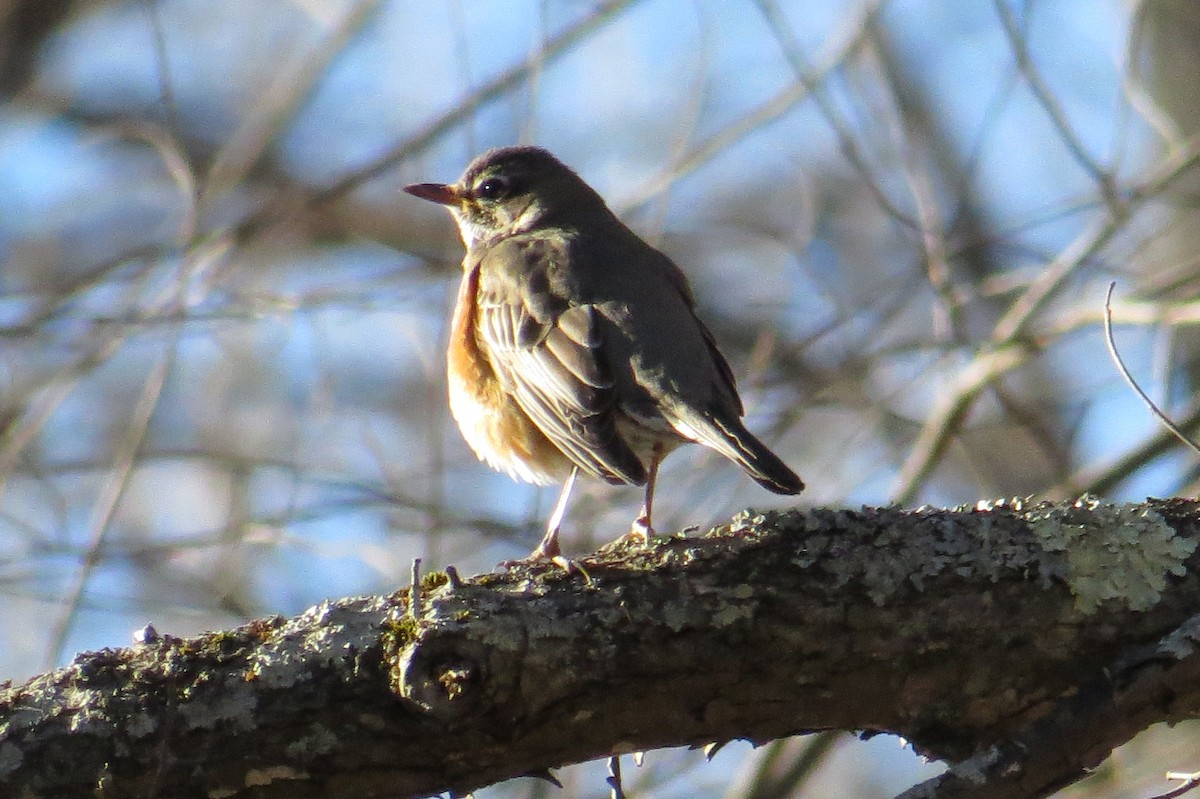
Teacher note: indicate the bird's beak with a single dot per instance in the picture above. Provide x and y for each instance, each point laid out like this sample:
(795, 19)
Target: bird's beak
(441, 193)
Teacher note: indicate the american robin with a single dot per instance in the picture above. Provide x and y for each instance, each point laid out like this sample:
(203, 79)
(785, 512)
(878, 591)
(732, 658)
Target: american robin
(575, 345)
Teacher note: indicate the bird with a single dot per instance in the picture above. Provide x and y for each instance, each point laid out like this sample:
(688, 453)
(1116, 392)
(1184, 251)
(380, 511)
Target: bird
(575, 346)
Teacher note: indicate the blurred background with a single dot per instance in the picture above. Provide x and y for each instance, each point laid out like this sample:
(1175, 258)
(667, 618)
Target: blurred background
(222, 323)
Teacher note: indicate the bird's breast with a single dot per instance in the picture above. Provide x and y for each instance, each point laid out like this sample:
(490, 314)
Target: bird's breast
(491, 421)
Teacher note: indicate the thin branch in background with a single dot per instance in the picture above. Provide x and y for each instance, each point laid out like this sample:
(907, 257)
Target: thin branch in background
(537, 70)
(462, 55)
(1101, 478)
(972, 162)
(769, 776)
(942, 424)
(914, 135)
(1046, 433)
(124, 460)
(689, 121)
(166, 82)
(1116, 357)
(1132, 312)
(175, 160)
(845, 136)
(1139, 97)
(947, 416)
(504, 82)
(58, 304)
(1018, 43)
(947, 311)
(55, 390)
(24, 427)
(1123, 118)
(1086, 247)
(1180, 162)
(844, 48)
(273, 108)
(171, 298)
(961, 255)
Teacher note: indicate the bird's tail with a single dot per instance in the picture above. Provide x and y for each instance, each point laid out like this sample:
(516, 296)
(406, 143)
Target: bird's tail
(731, 438)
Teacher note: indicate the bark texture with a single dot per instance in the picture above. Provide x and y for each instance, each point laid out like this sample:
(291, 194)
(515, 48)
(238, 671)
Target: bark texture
(1020, 642)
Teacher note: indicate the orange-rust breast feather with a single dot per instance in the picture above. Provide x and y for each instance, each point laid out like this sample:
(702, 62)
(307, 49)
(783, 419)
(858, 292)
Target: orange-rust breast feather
(491, 421)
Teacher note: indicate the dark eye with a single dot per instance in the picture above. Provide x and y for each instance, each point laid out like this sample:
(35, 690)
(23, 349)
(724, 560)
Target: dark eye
(493, 188)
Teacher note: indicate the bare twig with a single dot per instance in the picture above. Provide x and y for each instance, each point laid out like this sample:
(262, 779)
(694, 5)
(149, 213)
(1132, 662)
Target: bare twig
(414, 591)
(1018, 43)
(110, 494)
(505, 81)
(947, 416)
(843, 48)
(845, 136)
(1190, 782)
(278, 103)
(166, 82)
(1116, 357)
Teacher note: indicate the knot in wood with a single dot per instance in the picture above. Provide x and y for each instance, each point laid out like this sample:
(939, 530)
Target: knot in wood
(446, 683)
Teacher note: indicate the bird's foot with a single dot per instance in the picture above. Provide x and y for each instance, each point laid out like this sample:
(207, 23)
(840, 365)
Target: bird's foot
(549, 550)
(639, 533)
(562, 562)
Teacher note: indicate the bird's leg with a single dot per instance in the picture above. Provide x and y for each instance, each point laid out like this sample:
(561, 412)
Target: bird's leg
(548, 549)
(642, 527)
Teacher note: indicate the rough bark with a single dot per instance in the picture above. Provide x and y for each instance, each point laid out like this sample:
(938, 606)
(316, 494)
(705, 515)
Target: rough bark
(1020, 642)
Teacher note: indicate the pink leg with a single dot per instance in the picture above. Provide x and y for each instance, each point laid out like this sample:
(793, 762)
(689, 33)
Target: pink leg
(548, 549)
(642, 526)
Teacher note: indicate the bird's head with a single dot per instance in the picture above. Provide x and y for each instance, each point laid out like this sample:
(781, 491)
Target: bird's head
(512, 190)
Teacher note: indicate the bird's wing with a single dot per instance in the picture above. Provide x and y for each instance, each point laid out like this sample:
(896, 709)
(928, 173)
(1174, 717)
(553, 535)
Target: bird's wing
(549, 356)
(724, 371)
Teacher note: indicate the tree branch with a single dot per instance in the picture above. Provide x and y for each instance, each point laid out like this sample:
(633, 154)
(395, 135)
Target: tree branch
(1021, 642)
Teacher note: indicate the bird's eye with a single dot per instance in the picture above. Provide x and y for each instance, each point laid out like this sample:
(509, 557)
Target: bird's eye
(493, 188)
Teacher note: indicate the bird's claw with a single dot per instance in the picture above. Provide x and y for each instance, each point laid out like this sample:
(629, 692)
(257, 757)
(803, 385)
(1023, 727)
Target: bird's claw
(543, 555)
(640, 533)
